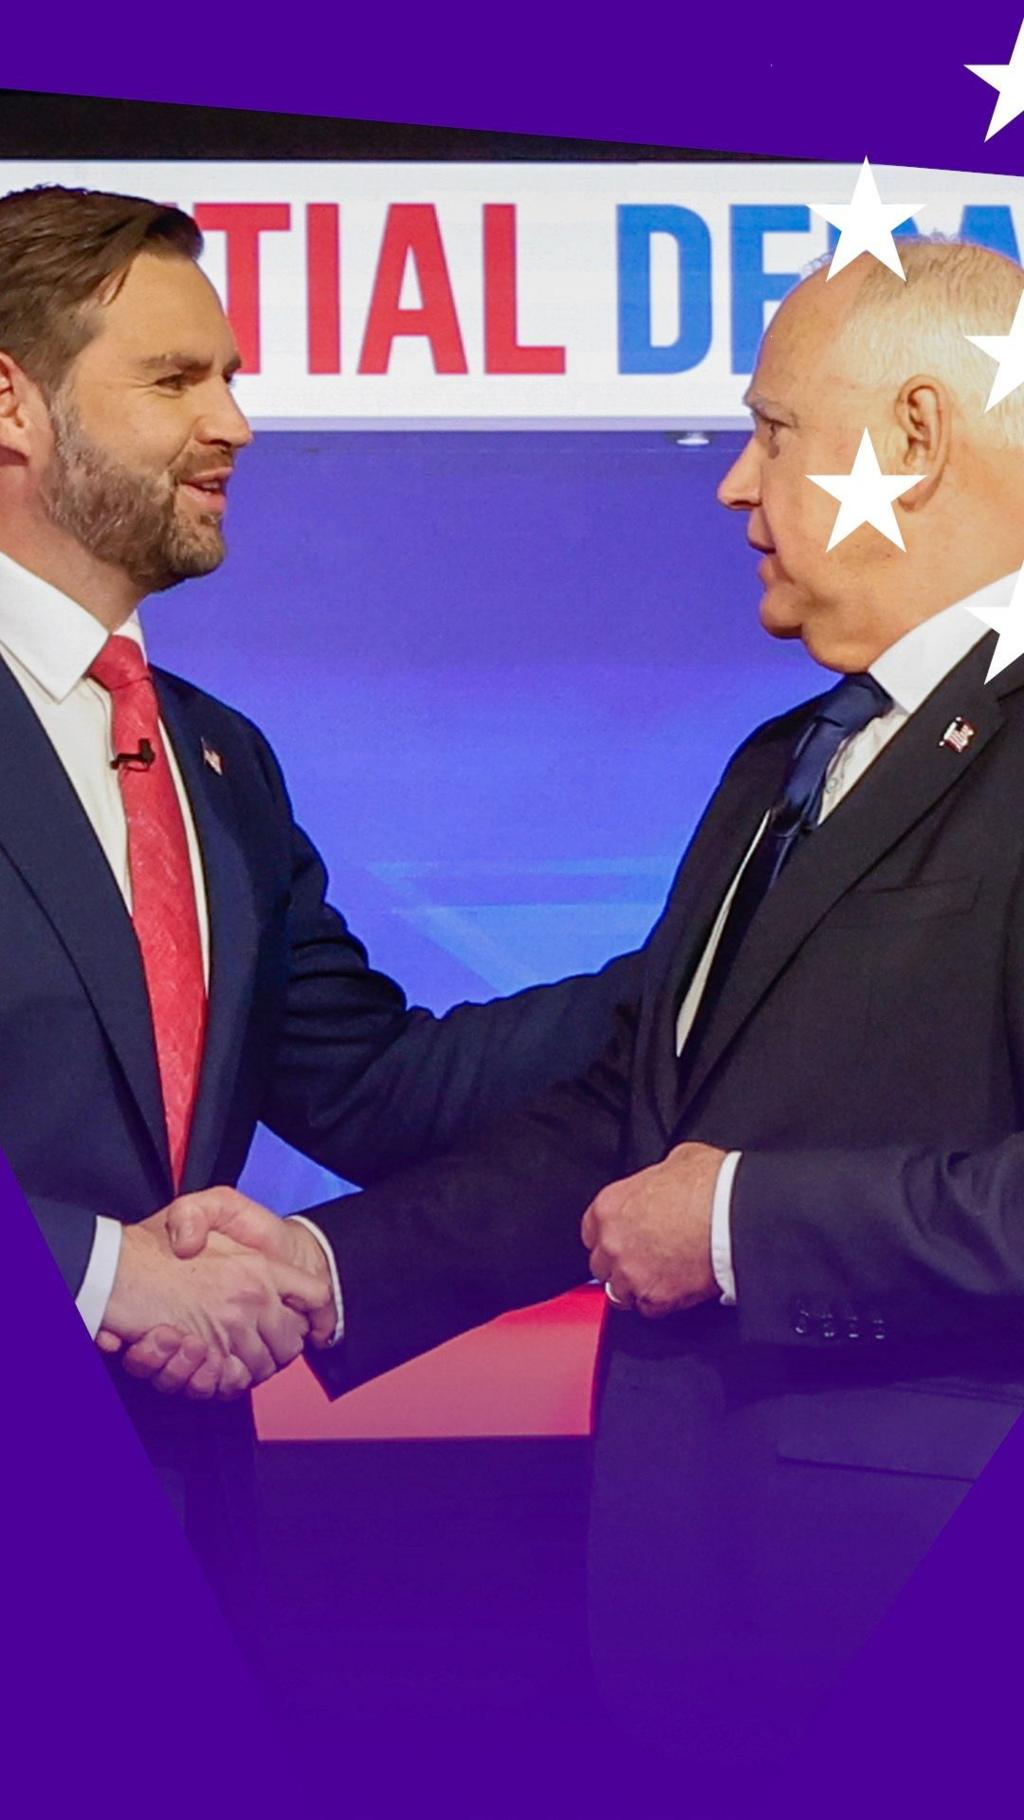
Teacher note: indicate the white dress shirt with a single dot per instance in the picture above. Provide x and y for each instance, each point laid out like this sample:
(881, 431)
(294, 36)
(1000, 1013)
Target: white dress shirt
(910, 670)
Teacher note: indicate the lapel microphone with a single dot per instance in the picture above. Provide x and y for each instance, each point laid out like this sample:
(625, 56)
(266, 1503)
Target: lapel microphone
(139, 760)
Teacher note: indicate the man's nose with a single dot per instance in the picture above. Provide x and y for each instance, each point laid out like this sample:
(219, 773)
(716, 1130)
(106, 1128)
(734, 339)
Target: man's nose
(741, 488)
(224, 421)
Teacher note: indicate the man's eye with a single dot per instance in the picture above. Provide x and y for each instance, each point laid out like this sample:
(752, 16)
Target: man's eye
(173, 382)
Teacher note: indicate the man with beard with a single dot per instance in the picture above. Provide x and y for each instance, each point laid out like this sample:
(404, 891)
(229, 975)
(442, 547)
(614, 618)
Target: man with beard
(170, 972)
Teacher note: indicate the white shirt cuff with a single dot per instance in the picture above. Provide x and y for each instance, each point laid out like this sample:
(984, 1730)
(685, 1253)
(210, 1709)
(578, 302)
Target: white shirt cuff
(332, 1265)
(98, 1281)
(721, 1235)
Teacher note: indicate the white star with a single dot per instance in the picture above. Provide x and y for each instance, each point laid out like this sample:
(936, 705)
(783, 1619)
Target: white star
(1008, 351)
(865, 496)
(866, 223)
(1008, 621)
(1008, 79)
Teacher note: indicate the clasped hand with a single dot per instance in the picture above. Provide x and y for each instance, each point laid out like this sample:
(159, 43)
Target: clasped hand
(214, 1294)
(649, 1235)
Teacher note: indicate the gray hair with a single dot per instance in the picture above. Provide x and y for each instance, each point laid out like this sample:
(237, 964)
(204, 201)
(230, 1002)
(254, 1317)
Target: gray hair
(954, 288)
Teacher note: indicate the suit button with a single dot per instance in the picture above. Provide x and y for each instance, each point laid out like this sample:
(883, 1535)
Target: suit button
(828, 1328)
(876, 1325)
(802, 1319)
(848, 1319)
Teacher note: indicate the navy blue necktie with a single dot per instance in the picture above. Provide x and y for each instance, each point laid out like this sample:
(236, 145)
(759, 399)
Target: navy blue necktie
(846, 710)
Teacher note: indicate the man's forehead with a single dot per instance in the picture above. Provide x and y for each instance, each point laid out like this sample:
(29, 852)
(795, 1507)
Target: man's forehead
(166, 305)
(774, 378)
(795, 347)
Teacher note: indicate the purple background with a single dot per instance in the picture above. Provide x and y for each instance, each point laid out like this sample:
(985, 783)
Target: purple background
(797, 80)
(123, 1691)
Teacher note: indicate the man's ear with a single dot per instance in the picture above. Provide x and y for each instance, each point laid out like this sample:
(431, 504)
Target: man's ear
(23, 413)
(924, 412)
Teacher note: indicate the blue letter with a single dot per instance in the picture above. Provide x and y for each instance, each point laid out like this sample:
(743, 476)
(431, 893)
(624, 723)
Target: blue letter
(752, 286)
(907, 230)
(637, 223)
(991, 227)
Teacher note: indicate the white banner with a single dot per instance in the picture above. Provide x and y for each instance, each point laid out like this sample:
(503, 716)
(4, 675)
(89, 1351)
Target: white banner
(516, 295)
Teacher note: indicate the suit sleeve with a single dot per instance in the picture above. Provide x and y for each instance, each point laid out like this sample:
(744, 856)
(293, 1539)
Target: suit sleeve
(494, 1225)
(902, 1244)
(367, 1086)
(70, 1233)
(906, 1243)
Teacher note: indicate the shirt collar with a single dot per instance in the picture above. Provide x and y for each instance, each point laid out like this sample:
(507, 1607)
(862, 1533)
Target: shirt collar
(49, 634)
(916, 664)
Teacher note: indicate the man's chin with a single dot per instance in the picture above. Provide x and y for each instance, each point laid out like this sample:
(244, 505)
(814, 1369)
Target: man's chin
(783, 610)
(186, 562)
(202, 551)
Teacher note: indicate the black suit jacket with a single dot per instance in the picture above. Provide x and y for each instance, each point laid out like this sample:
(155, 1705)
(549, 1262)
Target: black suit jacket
(867, 1056)
(302, 1033)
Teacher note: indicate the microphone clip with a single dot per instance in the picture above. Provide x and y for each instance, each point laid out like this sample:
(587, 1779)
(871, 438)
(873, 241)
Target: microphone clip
(140, 760)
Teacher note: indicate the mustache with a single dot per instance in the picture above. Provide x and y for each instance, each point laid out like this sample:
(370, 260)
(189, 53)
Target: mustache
(202, 470)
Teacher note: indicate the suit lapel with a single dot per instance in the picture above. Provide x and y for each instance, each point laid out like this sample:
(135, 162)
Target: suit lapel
(910, 775)
(47, 837)
(708, 869)
(233, 920)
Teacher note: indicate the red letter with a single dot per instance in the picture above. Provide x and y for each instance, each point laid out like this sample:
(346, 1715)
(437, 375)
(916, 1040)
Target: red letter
(243, 223)
(411, 228)
(502, 352)
(323, 296)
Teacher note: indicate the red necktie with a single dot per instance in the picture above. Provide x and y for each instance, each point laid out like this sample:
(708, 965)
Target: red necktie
(163, 893)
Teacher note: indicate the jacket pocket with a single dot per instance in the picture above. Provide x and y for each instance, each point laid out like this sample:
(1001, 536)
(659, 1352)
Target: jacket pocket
(886, 1429)
(905, 903)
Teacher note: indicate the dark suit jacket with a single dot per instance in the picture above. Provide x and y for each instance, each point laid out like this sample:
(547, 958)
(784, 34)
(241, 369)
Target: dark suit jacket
(867, 1055)
(302, 1033)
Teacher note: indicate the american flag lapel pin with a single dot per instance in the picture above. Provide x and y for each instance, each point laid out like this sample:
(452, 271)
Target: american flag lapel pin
(212, 758)
(958, 734)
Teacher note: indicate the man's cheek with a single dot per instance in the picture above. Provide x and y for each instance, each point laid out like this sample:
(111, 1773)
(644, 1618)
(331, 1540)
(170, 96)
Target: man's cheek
(803, 537)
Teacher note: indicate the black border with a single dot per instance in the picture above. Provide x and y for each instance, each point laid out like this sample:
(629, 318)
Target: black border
(38, 125)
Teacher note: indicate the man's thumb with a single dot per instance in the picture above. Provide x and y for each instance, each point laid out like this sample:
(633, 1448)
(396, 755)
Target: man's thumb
(191, 1219)
(187, 1231)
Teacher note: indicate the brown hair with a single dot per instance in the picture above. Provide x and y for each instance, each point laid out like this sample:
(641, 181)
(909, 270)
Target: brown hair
(63, 252)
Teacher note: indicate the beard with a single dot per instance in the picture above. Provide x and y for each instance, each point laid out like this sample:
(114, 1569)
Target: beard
(124, 517)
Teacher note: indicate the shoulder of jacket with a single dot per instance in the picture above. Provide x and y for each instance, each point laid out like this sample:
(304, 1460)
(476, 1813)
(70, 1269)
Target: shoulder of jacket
(780, 726)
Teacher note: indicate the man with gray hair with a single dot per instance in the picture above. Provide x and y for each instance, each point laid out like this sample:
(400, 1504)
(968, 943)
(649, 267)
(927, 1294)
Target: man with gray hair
(800, 1169)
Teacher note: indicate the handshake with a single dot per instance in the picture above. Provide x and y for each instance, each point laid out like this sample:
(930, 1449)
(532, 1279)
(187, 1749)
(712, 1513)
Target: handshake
(214, 1294)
